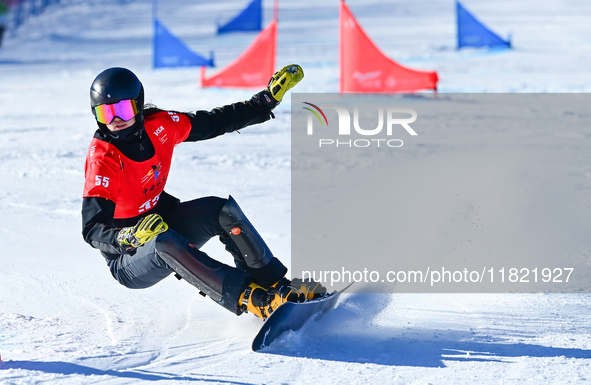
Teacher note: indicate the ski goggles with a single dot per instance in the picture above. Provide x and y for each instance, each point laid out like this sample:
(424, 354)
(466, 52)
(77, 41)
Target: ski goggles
(125, 109)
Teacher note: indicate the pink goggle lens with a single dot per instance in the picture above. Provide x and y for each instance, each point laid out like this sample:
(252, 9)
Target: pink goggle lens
(125, 109)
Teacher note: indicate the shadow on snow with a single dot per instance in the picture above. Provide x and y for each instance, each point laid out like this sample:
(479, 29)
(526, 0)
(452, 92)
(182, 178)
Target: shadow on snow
(67, 368)
(348, 334)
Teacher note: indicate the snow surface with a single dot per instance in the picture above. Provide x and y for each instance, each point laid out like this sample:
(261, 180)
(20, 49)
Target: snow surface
(64, 320)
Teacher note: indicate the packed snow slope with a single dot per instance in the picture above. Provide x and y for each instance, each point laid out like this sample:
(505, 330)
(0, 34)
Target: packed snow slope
(64, 320)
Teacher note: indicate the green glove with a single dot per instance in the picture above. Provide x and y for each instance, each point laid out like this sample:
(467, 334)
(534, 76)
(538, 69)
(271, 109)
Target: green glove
(147, 228)
(284, 80)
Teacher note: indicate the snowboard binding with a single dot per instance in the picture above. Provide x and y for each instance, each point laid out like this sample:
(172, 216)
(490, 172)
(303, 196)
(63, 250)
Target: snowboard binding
(262, 303)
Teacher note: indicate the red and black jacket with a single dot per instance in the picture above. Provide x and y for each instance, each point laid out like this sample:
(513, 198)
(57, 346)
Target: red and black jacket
(126, 172)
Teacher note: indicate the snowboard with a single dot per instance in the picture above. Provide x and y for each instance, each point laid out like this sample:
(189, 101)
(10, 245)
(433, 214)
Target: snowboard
(292, 316)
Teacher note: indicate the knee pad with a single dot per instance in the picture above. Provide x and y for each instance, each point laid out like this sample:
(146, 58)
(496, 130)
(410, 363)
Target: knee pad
(260, 262)
(222, 283)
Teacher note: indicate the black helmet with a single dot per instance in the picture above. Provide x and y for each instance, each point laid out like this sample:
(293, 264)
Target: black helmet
(116, 84)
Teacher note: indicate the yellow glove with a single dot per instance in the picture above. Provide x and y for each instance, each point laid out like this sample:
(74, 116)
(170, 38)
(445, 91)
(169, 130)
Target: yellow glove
(284, 80)
(146, 229)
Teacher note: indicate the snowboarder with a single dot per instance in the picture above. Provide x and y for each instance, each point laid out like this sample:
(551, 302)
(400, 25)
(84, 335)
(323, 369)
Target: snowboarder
(144, 233)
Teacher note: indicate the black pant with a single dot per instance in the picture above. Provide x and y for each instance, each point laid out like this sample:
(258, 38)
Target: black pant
(196, 221)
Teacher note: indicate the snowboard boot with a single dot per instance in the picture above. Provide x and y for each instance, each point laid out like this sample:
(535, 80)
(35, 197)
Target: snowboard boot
(262, 303)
